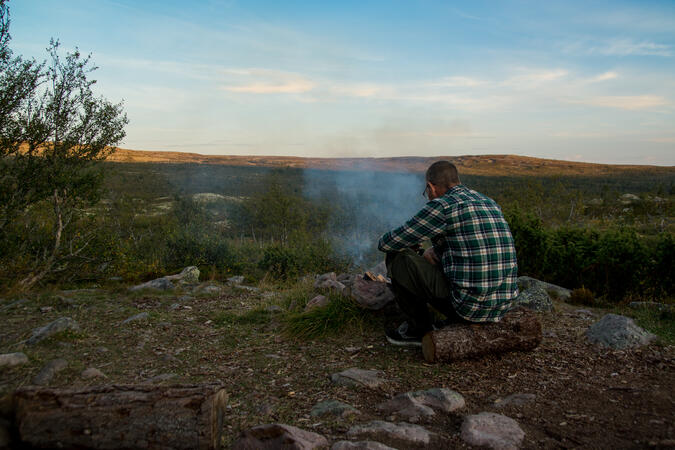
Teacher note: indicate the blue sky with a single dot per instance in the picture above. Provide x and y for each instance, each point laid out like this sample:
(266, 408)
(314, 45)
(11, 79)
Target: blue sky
(588, 81)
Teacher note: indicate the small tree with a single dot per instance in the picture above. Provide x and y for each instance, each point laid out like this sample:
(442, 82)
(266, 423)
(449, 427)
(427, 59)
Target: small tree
(54, 130)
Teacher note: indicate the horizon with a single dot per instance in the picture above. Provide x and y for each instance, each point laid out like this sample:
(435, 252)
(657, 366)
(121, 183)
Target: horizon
(563, 80)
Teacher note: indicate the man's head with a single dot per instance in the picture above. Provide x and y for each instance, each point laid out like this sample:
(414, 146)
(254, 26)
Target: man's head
(440, 176)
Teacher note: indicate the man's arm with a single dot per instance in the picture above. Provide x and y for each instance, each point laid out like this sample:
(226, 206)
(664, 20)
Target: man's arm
(428, 223)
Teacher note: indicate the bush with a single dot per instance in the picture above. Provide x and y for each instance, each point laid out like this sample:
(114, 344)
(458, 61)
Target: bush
(582, 296)
(613, 263)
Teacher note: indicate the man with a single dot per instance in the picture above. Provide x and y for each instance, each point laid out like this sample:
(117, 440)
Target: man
(469, 272)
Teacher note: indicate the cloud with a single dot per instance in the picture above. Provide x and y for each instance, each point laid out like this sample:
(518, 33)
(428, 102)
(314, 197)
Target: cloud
(626, 102)
(452, 82)
(603, 77)
(629, 47)
(264, 81)
(534, 79)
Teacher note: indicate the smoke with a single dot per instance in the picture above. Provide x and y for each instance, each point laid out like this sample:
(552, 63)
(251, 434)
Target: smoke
(364, 204)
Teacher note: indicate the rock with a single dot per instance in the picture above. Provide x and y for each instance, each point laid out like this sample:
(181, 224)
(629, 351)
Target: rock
(413, 405)
(333, 408)
(317, 302)
(492, 430)
(360, 445)
(137, 318)
(653, 306)
(402, 434)
(515, 400)
(238, 279)
(618, 332)
(185, 298)
(535, 298)
(189, 275)
(347, 278)
(13, 359)
(161, 284)
(57, 326)
(358, 377)
(371, 294)
(331, 284)
(14, 304)
(92, 372)
(325, 277)
(552, 289)
(628, 199)
(278, 436)
(405, 405)
(161, 377)
(440, 399)
(174, 306)
(49, 370)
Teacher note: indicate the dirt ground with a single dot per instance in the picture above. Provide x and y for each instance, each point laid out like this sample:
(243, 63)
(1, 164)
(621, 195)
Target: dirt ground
(586, 397)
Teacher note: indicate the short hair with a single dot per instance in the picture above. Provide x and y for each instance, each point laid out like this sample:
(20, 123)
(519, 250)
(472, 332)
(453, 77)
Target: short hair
(443, 174)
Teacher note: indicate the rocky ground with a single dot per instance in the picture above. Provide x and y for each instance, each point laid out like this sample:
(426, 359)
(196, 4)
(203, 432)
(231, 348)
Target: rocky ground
(569, 392)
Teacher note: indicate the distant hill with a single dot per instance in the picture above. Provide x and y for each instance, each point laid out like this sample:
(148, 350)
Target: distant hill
(491, 165)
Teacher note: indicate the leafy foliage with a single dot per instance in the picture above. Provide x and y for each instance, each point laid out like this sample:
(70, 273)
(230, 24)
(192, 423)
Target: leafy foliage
(52, 131)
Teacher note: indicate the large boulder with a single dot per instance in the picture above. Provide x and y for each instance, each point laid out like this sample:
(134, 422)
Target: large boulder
(278, 436)
(371, 294)
(535, 298)
(492, 430)
(618, 332)
(55, 327)
(413, 405)
(189, 275)
(553, 290)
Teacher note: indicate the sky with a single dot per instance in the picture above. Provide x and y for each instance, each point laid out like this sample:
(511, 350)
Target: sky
(575, 80)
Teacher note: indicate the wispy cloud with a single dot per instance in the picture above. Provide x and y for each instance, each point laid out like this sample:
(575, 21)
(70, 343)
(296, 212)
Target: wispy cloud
(629, 47)
(264, 81)
(625, 102)
(603, 77)
(528, 79)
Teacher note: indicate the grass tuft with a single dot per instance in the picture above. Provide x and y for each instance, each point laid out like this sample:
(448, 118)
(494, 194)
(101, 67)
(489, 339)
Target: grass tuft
(340, 315)
(661, 323)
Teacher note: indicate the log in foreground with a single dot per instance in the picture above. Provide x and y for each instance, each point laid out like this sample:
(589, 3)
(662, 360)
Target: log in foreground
(519, 329)
(121, 416)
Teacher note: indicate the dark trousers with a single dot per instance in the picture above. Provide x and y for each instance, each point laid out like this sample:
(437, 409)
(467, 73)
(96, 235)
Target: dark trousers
(418, 283)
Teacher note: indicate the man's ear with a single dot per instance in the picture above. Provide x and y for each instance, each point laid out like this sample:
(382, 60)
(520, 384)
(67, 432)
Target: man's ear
(432, 190)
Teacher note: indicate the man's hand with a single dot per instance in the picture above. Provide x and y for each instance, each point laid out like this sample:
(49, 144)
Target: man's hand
(430, 255)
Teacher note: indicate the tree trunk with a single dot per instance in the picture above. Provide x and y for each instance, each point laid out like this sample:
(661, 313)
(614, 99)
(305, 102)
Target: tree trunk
(33, 278)
(121, 416)
(518, 330)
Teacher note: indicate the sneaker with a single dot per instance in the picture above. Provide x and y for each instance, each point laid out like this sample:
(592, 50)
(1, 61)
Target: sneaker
(404, 337)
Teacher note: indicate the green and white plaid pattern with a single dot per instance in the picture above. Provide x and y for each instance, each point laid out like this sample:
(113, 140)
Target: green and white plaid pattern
(475, 246)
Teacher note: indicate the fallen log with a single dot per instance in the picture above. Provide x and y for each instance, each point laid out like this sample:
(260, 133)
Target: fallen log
(121, 416)
(519, 329)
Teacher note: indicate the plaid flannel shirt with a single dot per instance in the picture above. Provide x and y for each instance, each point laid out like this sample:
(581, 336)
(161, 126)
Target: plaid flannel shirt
(474, 244)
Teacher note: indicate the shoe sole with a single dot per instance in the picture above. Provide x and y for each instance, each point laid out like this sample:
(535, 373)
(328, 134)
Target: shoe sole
(404, 343)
